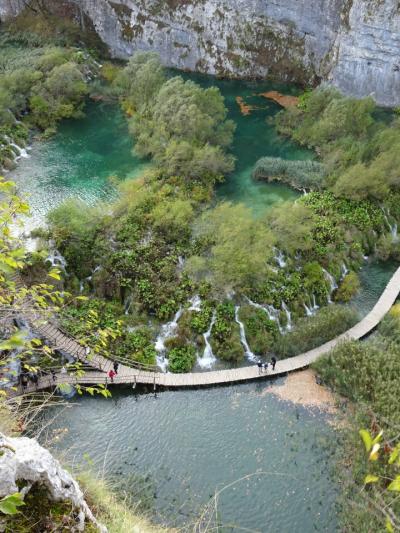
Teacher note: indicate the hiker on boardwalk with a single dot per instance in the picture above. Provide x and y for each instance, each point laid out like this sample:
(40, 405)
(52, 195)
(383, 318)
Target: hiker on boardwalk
(116, 366)
(265, 367)
(260, 365)
(273, 362)
(111, 375)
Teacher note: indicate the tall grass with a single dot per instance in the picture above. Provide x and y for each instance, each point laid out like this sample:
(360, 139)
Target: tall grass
(297, 174)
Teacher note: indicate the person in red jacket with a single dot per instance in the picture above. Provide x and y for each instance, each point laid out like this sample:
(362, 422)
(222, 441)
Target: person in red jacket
(111, 375)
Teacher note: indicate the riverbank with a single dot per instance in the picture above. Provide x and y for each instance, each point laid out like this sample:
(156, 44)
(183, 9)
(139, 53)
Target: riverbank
(301, 388)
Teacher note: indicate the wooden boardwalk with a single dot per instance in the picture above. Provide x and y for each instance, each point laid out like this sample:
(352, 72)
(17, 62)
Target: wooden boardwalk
(133, 376)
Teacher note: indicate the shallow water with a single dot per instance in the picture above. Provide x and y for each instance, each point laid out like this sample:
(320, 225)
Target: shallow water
(78, 161)
(374, 277)
(189, 444)
(80, 158)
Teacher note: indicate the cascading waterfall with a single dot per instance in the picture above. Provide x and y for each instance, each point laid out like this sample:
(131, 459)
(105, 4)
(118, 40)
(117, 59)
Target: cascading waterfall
(273, 314)
(279, 258)
(208, 358)
(22, 153)
(308, 310)
(288, 316)
(89, 278)
(57, 260)
(128, 304)
(393, 231)
(315, 305)
(195, 303)
(392, 227)
(343, 270)
(167, 331)
(249, 354)
(333, 284)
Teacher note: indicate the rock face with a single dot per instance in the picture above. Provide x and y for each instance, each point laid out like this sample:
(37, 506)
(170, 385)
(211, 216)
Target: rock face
(25, 460)
(352, 44)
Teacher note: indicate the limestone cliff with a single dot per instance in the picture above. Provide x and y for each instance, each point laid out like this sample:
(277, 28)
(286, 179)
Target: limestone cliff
(353, 44)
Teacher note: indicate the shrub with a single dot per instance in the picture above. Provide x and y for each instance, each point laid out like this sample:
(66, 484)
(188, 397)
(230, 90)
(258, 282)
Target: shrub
(181, 359)
(137, 345)
(348, 288)
(311, 332)
(261, 332)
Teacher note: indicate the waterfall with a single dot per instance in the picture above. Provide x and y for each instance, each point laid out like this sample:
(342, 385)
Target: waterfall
(249, 354)
(279, 258)
(333, 284)
(288, 316)
(392, 227)
(167, 331)
(195, 303)
(273, 314)
(309, 311)
(208, 358)
(181, 262)
(393, 231)
(315, 305)
(127, 304)
(56, 259)
(343, 270)
(81, 286)
(21, 152)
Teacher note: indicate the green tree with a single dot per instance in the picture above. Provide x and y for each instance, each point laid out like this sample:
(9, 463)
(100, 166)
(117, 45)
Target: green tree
(239, 248)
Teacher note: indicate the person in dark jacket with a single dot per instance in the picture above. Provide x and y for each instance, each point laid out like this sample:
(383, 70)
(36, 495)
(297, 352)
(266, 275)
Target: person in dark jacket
(116, 366)
(273, 362)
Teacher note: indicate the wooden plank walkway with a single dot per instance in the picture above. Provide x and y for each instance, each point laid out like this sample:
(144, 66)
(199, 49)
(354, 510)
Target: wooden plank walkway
(132, 376)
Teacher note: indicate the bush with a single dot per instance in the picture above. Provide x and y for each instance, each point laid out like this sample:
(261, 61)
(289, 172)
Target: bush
(225, 336)
(366, 372)
(348, 288)
(181, 359)
(314, 331)
(261, 333)
(137, 345)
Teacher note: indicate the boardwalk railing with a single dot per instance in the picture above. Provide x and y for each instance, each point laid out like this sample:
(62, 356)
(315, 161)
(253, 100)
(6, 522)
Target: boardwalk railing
(141, 374)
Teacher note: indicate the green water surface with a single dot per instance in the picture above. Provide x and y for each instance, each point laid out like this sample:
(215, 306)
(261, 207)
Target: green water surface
(178, 449)
(79, 160)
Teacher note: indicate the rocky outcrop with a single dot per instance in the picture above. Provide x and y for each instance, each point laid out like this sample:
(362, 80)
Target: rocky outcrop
(352, 44)
(24, 461)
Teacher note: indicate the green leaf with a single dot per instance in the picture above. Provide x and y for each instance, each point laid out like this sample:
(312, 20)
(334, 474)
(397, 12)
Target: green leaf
(367, 439)
(9, 504)
(377, 438)
(389, 526)
(395, 485)
(370, 478)
(374, 455)
(54, 273)
(395, 454)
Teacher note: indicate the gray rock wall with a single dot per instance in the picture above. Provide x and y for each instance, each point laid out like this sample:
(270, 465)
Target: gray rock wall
(352, 44)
